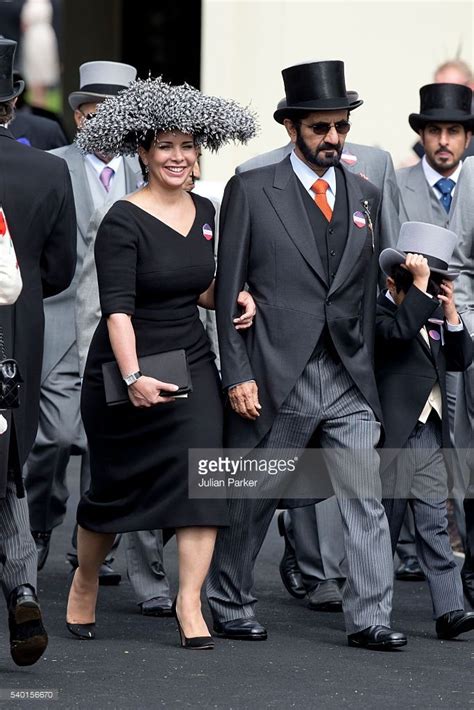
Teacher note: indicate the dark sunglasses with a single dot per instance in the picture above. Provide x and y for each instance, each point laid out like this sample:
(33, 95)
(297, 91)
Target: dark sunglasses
(322, 128)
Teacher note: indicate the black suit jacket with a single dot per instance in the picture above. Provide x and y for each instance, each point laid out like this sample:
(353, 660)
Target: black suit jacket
(36, 194)
(406, 369)
(266, 241)
(40, 132)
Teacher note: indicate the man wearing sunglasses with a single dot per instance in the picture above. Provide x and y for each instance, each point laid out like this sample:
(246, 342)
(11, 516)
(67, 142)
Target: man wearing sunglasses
(304, 235)
(313, 534)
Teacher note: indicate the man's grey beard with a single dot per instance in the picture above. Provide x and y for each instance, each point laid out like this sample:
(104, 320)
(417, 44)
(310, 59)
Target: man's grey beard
(317, 158)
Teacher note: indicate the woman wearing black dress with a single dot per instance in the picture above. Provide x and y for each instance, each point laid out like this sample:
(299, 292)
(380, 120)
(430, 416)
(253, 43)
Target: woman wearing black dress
(155, 264)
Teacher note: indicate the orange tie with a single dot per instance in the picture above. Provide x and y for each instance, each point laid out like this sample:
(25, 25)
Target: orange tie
(320, 188)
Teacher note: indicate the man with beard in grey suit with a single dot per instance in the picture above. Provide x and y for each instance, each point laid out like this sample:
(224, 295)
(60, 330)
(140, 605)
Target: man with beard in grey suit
(427, 192)
(312, 563)
(285, 231)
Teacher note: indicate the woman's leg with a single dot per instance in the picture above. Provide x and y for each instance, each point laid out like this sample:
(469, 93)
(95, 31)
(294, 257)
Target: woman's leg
(195, 548)
(92, 548)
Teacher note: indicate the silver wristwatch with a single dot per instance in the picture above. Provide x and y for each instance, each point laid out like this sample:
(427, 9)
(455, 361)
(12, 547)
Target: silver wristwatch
(130, 379)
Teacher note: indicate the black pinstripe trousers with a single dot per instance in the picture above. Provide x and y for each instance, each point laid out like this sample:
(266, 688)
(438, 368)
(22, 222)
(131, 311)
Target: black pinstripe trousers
(324, 399)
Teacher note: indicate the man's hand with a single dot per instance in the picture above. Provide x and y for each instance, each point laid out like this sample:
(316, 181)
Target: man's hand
(245, 301)
(447, 302)
(418, 267)
(243, 399)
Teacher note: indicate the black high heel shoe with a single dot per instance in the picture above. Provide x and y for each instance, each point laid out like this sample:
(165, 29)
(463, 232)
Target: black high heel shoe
(195, 643)
(85, 632)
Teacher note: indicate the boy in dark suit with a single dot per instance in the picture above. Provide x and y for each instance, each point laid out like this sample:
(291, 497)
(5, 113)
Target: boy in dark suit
(419, 336)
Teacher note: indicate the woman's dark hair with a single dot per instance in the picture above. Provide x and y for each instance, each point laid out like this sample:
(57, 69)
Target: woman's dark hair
(146, 143)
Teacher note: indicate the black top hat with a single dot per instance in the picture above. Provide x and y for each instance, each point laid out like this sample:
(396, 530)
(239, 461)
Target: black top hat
(8, 89)
(316, 86)
(444, 103)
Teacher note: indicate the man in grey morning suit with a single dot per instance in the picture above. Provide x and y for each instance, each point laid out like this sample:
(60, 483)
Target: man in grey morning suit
(312, 563)
(427, 190)
(462, 223)
(278, 222)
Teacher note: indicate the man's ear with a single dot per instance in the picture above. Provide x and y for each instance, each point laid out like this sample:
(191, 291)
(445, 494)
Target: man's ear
(390, 284)
(421, 133)
(290, 129)
(468, 138)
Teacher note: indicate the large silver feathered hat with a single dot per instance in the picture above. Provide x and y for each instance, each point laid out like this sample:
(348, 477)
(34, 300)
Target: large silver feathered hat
(122, 122)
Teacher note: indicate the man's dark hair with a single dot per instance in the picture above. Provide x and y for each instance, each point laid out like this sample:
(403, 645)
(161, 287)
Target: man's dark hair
(6, 112)
(404, 280)
(402, 277)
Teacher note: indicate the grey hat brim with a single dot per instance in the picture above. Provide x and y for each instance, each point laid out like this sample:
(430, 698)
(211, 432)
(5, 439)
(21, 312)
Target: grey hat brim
(393, 257)
(77, 98)
(18, 88)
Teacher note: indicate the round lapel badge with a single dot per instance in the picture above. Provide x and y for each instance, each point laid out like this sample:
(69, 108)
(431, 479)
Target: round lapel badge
(207, 232)
(434, 335)
(359, 219)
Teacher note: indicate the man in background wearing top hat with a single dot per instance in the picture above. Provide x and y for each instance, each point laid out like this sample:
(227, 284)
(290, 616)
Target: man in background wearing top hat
(37, 199)
(303, 234)
(312, 562)
(419, 337)
(97, 180)
(462, 223)
(445, 124)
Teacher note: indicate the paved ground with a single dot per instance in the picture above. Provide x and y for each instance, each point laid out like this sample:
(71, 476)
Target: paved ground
(136, 663)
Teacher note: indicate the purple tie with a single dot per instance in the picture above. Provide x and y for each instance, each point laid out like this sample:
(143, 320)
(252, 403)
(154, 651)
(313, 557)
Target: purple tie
(106, 176)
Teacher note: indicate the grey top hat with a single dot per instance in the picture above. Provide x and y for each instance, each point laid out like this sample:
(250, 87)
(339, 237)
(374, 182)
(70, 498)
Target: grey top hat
(99, 80)
(8, 88)
(433, 242)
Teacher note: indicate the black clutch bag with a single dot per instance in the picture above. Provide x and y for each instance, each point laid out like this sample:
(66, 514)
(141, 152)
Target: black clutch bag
(171, 366)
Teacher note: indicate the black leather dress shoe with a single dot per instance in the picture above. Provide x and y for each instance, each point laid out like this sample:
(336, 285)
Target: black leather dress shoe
(107, 576)
(240, 629)
(28, 637)
(377, 638)
(410, 571)
(455, 623)
(289, 570)
(326, 596)
(42, 541)
(467, 577)
(158, 606)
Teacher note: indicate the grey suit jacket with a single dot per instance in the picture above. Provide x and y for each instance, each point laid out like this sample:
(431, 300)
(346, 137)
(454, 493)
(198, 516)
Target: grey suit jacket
(372, 163)
(462, 223)
(59, 310)
(418, 203)
(87, 305)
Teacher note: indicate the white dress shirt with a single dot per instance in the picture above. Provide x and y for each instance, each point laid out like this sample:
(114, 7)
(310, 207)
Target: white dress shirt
(308, 177)
(432, 177)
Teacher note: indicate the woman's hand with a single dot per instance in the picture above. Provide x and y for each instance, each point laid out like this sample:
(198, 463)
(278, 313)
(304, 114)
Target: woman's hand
(145, 392)
(245, 301)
